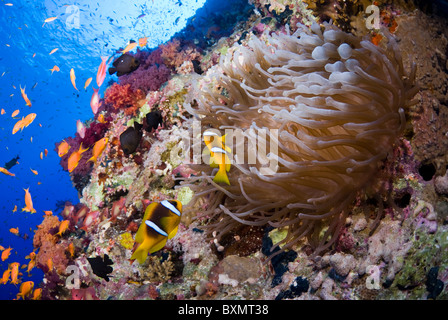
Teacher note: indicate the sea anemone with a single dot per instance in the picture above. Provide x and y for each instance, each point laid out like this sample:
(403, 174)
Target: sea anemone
(330, 103)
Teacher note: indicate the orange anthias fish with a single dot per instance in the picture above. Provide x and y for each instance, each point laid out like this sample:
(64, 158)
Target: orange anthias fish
(101, 74)
(50, 264)
(143, 41)
(129, 47)
(23, 123)
(28, 202)
(3, 170)
(17, 126)
(71, 249)
(48, 213)
(16, 112)
(73, 78)
(25, 289)
(63, 227)
(32, 263)
(14, 231)
(29, 119)
(37, 294)
(74, 158)
(50, 19)
(5, 277)
(34, 171)
(95, 101)
(14, 272)
(24, 96)
(53, 51)
(55, 68)
(98, 149)
(87, 83)
(6, 253)
(101, 118)
(63, 148)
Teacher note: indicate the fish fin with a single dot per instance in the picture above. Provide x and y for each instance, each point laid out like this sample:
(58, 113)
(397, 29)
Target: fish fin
(140, 254)
(93, 159)
(158, 246)
(173, 233)
(221, 176)
(112, 70)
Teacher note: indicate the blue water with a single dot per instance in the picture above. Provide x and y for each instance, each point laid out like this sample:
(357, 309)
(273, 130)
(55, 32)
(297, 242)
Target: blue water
(103, 27)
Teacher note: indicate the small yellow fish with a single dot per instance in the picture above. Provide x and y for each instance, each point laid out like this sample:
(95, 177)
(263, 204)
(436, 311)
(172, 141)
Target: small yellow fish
(24, 96)
(129, 47)
(143, 41)
(98, 149)
(73, 78)
(37, 294)
(87, 83)
(101, 119)
(25, 289)
(55, 68)
(218, 152)
(74, 158)
(50, 19)
(63, 227)
(6, 253)
(63, 148)
(3, 170)
(28, 202)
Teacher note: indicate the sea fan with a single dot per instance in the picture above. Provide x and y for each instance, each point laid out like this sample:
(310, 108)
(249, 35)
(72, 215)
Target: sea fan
(330, 103)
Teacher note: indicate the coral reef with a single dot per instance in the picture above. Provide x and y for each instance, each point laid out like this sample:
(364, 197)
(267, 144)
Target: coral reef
(361, 171)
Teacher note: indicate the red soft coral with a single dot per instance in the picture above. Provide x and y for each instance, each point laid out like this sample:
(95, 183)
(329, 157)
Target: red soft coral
(123, 97)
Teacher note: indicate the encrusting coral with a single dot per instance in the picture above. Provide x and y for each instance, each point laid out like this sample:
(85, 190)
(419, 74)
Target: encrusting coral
(338, 103)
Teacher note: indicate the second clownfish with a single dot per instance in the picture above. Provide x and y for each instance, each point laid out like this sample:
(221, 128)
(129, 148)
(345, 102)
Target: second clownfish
(160, 223)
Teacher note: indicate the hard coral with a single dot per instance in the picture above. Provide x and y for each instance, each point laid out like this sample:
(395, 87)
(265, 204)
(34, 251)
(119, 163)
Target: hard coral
(329, 105)
(124, 97)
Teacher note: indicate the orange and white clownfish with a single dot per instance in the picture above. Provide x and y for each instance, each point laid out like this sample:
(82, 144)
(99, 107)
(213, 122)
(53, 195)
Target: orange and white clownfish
(218, 152)
(160, 223)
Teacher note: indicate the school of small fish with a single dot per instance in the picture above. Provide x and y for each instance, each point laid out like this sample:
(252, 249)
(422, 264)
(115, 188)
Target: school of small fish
(153, 232)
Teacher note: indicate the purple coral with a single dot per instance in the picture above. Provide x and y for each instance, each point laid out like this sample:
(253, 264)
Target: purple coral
(151, 73)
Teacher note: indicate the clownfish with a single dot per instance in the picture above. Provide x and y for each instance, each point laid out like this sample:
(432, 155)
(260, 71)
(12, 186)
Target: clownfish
(160, 223)
(218, 152)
